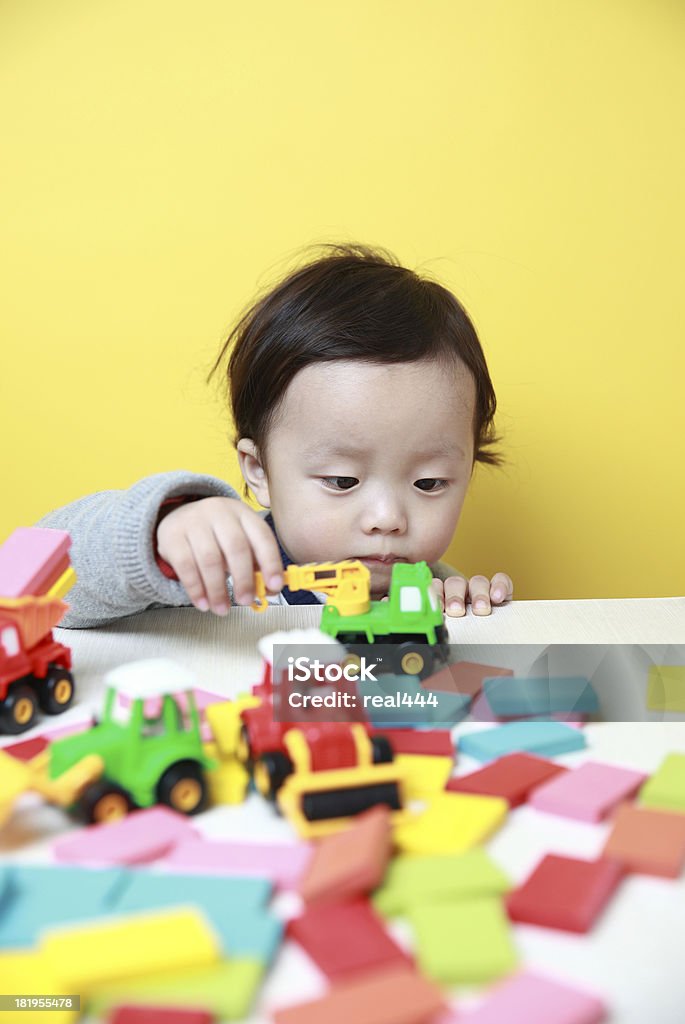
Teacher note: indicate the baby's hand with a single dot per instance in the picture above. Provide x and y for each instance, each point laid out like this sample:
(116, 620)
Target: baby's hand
(455, 591)
(206, 540)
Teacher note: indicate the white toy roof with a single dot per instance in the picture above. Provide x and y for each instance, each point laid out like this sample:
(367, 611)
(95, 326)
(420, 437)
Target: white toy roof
(152, 677)
(333, 654)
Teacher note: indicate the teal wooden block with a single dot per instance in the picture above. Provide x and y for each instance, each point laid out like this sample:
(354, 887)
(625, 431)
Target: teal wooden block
(548, 739)
(521, 696)
(37, 896)
(395, 701)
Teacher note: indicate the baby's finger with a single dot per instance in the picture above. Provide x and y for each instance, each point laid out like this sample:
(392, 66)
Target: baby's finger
(265, 551)
(501, 588)
(212, 568)
(439, 591)
(479, 590)
(239, 558)
(182, 561)
(455, 595)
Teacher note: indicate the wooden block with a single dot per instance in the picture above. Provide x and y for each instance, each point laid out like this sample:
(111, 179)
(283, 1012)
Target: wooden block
(345, 937)
(226, 989)
(85, 957)
(463, 942)
(451, 823)
(138, 838)
(589, 792)
(451, 877)
(530, 998)
(423, 775)
(647, 841)
(395, 996)
(548, 739)
(433, 742)
(466, 677)
(565, 893)
(666, 788)
(282, 863)
(349, 863)
(666, 688)
(159, 1015)
(512, 777)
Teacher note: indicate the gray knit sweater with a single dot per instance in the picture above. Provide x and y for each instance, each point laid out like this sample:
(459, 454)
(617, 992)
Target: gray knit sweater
(113, 549)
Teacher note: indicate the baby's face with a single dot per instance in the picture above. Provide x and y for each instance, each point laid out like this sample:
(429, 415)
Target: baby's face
(371, 462)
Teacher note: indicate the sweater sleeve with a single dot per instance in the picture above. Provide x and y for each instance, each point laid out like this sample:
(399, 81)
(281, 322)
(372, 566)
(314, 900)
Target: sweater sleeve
(113, 547)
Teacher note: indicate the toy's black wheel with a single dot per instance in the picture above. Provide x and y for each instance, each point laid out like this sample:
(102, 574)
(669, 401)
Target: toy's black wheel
(104, 802)
(270, 772)
(414, 660)
(57, 691)
(19, 708)
(183, 788)
(382, 750)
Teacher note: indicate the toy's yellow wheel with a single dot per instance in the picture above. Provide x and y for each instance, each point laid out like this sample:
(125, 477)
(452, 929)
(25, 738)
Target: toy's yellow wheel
(24, 711)
(63, 691)
(110, 807)
(186, 796)
(412, 663)
(352, 660)
(183, 787)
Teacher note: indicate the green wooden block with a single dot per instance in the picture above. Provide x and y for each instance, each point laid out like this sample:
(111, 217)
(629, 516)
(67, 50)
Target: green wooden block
(226, 989)
(666, 688)
(666, 788)
(411, 880)
(463, 942)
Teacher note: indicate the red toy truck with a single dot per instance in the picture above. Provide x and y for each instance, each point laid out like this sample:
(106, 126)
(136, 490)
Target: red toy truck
(34, 667)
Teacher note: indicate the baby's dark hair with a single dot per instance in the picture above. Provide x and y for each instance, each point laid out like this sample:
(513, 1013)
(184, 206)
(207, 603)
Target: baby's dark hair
(352, 302)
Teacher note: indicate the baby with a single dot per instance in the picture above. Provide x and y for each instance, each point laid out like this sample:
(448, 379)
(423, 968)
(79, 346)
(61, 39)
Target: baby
(361, 401)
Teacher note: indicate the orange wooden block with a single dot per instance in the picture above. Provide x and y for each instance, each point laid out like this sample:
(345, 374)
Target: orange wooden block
(648, 841)
(349, 863)
(395, 996)
(464, 677)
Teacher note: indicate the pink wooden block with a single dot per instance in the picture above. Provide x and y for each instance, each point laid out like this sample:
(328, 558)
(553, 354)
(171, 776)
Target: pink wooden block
(282, 863)
(141, 837)
(589, 792)
(529, 998)
(32, 559)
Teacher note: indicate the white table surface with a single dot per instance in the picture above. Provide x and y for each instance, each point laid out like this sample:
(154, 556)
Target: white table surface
(633, 957)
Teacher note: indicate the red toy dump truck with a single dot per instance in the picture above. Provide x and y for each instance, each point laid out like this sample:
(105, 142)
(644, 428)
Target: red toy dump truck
(35, 669)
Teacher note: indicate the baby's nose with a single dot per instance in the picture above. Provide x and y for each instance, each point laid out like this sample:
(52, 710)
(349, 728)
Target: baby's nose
(385, 516)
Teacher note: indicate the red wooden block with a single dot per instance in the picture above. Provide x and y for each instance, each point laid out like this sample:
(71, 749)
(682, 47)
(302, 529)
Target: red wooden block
(159, 1015)
(464, 677)
(512, 777)
(648, 841)
(350, 863)
(396, 996)
(565, 893)
(432, 742)
(346, 937)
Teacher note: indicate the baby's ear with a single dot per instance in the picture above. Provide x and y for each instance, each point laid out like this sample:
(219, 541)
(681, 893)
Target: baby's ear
(252, 468)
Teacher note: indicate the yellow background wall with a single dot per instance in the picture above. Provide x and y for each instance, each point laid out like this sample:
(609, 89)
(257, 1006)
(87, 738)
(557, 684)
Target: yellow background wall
(163, 160)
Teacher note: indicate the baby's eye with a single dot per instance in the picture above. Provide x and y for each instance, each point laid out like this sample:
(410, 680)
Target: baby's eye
(340, 483)
(430, 484)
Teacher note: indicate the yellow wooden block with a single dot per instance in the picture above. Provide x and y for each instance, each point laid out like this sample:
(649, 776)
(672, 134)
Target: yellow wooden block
(450, 823)
(27, 971)
(129, 947)
(666, 688)
(423, 774)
